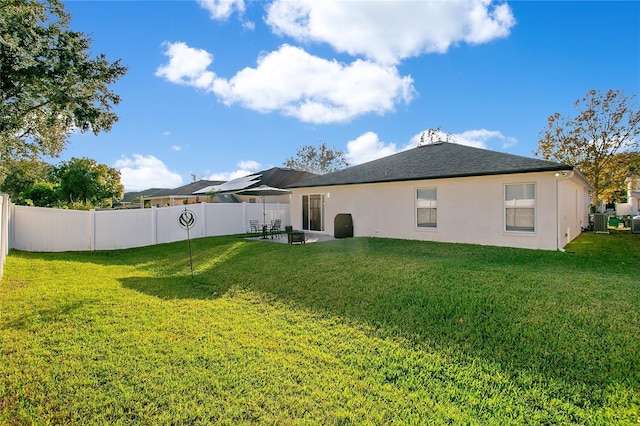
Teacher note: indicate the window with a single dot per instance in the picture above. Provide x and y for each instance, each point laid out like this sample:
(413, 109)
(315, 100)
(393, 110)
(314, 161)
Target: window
(426, 208)
(520, 207)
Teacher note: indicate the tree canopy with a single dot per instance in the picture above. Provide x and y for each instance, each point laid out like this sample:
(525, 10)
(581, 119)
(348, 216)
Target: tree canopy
(319, 160)
(80, 183)
(84, 181)
(601, 140)
(49, 84)
(22, 174)
(435, 135)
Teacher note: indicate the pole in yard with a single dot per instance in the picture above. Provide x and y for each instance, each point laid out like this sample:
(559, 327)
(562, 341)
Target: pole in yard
(186, 220)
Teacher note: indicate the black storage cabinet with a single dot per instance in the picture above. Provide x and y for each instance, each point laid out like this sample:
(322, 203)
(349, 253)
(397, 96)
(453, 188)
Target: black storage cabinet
(343, 226)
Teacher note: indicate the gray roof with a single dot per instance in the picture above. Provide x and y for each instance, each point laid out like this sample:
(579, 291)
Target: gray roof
(276, 177)
(433, 161)
(187, 189)
(130, 196)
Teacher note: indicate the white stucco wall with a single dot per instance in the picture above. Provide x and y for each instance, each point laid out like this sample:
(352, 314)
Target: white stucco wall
(573, 214)
(470, 210)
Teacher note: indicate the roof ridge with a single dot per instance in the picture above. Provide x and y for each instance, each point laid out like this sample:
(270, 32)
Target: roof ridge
(434, 161)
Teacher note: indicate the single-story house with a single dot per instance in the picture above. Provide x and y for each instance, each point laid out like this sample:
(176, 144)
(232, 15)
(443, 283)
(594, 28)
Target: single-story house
(135, 199)
(184, 194)
(451, 193)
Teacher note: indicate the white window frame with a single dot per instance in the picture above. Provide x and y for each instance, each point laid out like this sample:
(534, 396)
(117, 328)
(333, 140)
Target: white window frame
(431, 204)
(525, 204)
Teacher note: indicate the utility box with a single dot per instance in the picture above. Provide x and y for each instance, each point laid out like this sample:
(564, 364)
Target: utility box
(635, 225)
(600, 223)
(343, 226)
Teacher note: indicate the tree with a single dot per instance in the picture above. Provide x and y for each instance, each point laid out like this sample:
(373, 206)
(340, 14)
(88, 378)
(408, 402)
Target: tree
(625, 165)
(596, 141)
(435, 135)
(319, 160)
(49, 85)
(87, 182)
(41, 194)
(21, 174)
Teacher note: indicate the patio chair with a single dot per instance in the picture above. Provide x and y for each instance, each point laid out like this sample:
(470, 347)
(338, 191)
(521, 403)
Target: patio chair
(275, 228)
(256, 229)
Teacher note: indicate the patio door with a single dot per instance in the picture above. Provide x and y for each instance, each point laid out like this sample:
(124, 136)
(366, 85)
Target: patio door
(313, 212)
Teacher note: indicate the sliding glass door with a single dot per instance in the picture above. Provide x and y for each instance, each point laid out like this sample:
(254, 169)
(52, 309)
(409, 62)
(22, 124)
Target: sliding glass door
(313, 212)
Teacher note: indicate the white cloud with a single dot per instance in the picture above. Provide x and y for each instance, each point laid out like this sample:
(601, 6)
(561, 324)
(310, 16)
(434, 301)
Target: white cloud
(389, 31)
(166, 133)
(176, 148)
(222, 9)
(481, 138)
(295, 83)
(367, 147)
(187, 66)
(144, 172)
(249, 165)
(249, 25)
(227, 176)
(245, 167)
(316, 90)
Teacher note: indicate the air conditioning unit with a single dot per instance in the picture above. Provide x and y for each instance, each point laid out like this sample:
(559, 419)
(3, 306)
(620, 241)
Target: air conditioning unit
(635, 225)
(600, 222)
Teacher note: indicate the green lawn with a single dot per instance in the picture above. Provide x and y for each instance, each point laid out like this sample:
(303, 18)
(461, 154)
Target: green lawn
(353, 331)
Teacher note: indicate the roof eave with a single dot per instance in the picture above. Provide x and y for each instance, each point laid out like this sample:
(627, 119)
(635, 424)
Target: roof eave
(560, 167)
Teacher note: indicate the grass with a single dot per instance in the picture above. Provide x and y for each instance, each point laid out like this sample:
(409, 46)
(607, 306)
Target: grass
(353, 331)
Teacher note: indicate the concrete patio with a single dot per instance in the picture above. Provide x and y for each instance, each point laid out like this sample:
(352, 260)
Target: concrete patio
(310, 238)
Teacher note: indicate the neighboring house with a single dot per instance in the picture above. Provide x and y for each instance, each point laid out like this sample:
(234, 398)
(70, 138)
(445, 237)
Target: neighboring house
(632, 206)
(451, 193)
(275, 177)
(182, 195)
(633, 195)
(134, 200)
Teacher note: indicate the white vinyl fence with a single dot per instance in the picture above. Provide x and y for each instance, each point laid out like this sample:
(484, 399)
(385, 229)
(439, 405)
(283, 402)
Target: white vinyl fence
(4, 230)
(52, 230)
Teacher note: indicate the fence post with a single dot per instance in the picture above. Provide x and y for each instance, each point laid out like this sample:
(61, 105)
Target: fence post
(4, 231)
(92, 229)
(203, 215)
(244, 216)
(11, 224)
(154, 225)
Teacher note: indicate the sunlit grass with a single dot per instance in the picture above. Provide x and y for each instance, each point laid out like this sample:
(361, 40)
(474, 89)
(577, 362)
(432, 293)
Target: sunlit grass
(350, 331)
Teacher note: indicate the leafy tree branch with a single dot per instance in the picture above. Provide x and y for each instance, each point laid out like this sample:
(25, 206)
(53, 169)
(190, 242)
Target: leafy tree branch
(49, 84)
(317, 159)
(601, 140)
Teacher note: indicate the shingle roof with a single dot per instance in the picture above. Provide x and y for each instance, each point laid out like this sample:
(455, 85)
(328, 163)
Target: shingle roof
(276, 177)
(433, 161)
(130, 196)
(187, 189)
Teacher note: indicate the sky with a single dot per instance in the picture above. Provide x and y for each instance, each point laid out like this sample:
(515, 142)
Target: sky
(220, 89)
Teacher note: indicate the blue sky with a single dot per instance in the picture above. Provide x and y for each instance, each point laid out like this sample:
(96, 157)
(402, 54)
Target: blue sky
(218, 89)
